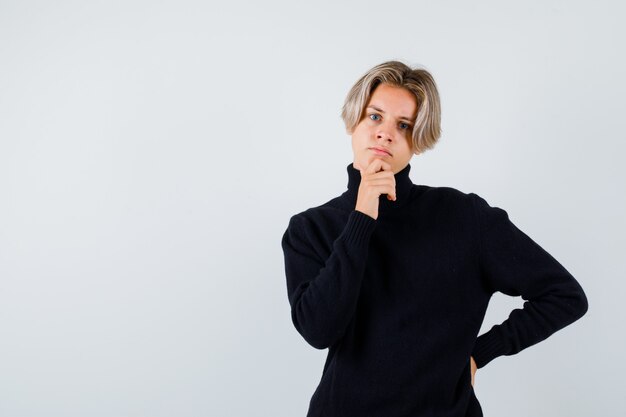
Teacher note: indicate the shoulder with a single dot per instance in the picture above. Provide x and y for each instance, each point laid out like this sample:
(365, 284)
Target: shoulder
(452, 201)
(443, 195)
(313, 231)
(329, 209)
(318, 220)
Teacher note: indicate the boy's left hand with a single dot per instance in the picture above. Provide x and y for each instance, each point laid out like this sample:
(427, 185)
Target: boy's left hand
(474, 368)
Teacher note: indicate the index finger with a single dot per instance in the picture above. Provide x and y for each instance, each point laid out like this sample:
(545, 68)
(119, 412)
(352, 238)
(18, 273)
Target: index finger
(377, 165)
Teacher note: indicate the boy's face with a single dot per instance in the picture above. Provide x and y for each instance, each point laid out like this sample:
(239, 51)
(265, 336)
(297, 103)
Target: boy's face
(387, 124)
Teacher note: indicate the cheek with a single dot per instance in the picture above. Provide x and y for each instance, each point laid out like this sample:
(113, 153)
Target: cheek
(359, 130)
(409, 141)
(408, 150)
(360, 136)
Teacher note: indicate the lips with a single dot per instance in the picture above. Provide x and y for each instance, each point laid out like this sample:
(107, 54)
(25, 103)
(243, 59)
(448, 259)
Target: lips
(379, 150)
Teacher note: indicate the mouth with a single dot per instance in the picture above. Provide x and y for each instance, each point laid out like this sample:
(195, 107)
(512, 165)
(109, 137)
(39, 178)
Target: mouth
(380, 151)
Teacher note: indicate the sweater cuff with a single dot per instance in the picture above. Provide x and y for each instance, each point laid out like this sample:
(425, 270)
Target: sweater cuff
(359, 228)
(488, 346)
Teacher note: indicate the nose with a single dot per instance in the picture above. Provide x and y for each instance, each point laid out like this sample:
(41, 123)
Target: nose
(384, 133)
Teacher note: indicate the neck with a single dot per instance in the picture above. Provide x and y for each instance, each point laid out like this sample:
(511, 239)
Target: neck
(403, 190)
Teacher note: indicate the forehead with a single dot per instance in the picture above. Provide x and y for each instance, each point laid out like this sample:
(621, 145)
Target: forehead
(395, 100)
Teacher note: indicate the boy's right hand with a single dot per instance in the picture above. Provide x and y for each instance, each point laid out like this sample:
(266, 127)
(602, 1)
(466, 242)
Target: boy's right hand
(376, 179)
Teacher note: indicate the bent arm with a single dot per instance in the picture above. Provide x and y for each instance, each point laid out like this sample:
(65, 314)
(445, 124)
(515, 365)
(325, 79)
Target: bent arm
(512, 263)
(323, 294)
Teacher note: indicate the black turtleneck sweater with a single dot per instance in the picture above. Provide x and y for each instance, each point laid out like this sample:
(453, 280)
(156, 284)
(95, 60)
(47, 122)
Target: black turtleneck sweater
(399, 300)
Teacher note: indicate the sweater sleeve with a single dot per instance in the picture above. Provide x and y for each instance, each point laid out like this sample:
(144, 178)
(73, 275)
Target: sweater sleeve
(512, 263)
(323, 293)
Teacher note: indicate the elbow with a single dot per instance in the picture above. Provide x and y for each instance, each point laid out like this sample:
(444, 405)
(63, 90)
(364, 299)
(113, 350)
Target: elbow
(583, 304)
(578, 303)
(317, 343)
(315, 339)
(315, 334)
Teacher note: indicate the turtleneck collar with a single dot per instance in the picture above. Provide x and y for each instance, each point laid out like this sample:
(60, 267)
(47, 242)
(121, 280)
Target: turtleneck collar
(403, 190)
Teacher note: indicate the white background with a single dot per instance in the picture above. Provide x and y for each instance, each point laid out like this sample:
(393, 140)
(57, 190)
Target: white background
(151, 154)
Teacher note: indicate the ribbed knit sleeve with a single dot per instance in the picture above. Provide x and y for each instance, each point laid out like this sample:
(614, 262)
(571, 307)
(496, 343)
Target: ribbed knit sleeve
(323, 293)
(512, 263)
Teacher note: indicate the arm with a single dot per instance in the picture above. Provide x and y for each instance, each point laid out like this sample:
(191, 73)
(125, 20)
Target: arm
(322, 293)
(514, 264)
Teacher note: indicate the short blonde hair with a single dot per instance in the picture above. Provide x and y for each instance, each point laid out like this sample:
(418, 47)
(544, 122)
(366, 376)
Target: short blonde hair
(427, 123)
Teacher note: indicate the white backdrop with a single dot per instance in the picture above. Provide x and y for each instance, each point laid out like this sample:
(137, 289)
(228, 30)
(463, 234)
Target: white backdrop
(151, 154)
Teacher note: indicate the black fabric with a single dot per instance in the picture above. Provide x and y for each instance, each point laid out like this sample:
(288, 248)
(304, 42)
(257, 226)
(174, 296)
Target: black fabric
(399, 300)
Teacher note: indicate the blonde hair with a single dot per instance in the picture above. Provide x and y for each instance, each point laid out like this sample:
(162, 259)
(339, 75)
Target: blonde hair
(427, 123)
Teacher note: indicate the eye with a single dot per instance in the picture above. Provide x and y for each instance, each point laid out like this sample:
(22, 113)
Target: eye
(404, 126)
(374, 115)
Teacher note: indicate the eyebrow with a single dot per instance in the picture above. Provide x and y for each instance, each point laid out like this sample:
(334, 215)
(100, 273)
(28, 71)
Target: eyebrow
(382, 111)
